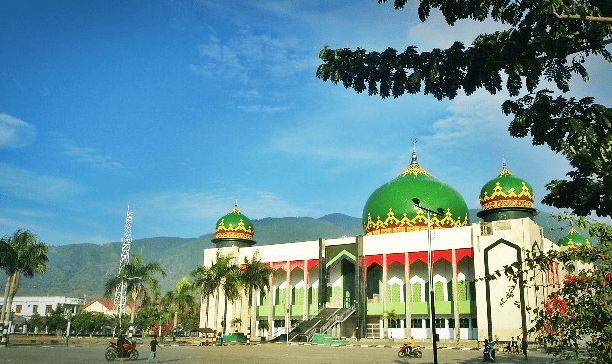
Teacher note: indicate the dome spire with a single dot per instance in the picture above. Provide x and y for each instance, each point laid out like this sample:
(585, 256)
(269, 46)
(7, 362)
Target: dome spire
(414, 155)
(414, 169)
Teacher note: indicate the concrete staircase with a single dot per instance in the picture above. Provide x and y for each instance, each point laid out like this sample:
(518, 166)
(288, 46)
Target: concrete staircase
(325, 319)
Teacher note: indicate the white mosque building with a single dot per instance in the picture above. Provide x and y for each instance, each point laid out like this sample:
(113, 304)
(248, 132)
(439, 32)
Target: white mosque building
(376, 285)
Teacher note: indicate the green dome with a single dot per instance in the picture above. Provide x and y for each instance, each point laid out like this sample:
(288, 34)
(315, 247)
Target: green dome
(573, 239)
(390, 208)
(506, 190)
(506, 197)
(234, 229)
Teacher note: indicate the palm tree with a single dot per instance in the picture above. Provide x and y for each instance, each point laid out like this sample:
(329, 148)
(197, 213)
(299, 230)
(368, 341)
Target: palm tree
(21, 254)
(180, 299)
(141, 285)
(207, 283)
(255, 276)
(222, 276)
(230, 284)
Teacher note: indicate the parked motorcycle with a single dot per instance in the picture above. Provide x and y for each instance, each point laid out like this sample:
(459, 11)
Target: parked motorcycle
(405, 351)
(129, 351)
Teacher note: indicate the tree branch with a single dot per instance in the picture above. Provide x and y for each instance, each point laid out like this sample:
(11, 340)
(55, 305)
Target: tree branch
(598, 19)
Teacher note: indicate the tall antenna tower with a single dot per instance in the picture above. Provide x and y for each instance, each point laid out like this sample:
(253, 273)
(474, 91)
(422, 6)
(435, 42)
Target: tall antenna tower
(120, 292)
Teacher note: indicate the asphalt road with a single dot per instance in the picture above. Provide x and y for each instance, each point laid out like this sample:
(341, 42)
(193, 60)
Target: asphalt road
(264, 353)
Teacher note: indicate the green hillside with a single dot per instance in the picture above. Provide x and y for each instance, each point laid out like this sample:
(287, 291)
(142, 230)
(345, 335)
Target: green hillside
(81, 269)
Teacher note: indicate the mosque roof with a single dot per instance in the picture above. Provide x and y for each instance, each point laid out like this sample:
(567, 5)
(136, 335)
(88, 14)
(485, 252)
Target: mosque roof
(234, 226)
(390, 208)
(506, 190)
(573, 239)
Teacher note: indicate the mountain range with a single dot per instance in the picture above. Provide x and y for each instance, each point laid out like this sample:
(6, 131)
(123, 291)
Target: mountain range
(80, 270)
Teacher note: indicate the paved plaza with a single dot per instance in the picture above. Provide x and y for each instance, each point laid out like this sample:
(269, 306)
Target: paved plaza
(263, 353)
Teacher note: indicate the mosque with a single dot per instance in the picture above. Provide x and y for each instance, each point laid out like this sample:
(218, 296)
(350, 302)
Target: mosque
(376, 285)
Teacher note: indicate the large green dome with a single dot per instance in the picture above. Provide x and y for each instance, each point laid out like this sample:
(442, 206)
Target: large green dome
(234, 229)
(390, 208)
(574, 239)
(506, 197)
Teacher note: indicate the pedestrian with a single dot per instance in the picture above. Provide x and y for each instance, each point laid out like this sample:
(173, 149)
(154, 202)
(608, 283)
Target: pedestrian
(153, 354)
(512, 344)
(524, 347)
(120, 342)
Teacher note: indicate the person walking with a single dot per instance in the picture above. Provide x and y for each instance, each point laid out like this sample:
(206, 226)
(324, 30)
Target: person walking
(120, 348)
(153, 354)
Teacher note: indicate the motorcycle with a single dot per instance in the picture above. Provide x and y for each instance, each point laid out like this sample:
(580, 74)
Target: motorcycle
(511, 348)
(489, 352)
(405, 351)
(129, 351)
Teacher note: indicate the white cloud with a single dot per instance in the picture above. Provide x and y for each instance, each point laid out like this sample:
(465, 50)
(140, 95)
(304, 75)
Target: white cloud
(15, 133)
(182, 205)
(220, 61)
(266, 109)
(247, 57)
(8, 226)
(436, 33)
(319, 140)
(30, 213)
(35, 187)
(90, 156)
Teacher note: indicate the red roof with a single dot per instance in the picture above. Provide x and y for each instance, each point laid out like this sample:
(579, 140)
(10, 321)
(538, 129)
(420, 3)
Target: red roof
(111, 304)
(108, 304)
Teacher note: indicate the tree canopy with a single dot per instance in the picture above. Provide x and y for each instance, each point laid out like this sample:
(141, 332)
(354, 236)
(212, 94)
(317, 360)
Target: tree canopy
(20, 254)
(574, 321)
(141, 284)
(544, 43)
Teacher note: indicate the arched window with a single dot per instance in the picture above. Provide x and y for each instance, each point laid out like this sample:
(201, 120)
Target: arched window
(374, 280)
(462, 290)
(263, 298)
(439, 291)
(313, 295)
(394, 293)
(297, 296)
(416, 292)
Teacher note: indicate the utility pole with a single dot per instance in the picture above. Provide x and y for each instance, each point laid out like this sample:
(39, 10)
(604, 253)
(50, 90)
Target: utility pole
(120, 292)
(440, 212)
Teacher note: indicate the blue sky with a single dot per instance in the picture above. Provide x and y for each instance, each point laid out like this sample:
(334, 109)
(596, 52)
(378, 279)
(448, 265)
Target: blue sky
(177, 108)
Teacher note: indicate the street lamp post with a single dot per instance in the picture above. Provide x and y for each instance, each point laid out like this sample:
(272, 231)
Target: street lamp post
(439, 211)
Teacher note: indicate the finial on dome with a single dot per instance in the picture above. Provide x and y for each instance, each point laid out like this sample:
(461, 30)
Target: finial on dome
(504, 171)
(414, 169)
(414, 155)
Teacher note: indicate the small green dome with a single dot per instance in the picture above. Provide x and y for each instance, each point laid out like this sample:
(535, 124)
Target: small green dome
(390, 208)
(234, 229)
(574, 239)
(506, 197)
(506, 190)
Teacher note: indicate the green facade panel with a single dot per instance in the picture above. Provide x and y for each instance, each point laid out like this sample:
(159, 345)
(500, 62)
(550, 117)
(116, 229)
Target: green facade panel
(279, 310)
(313, 309)
(296, 310)
(398, 307)
(467, 307)
(444, 307)
(263, 310)
(419, 308)
(375, 309)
